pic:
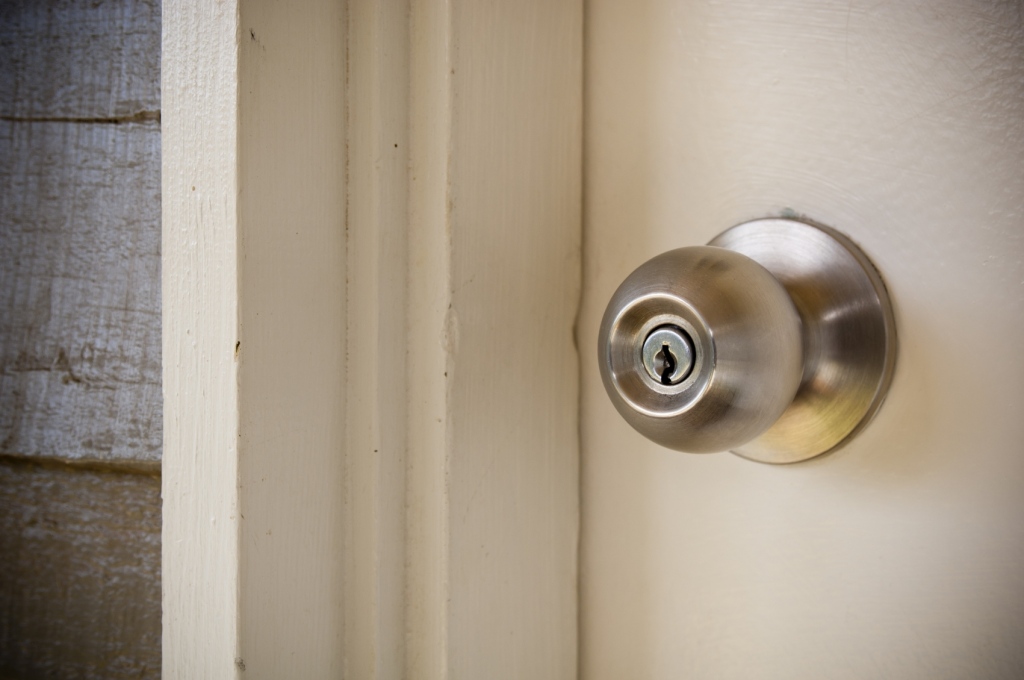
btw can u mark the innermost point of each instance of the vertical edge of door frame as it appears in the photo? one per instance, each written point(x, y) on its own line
point(375, 379)
point(429, 296)
point(464, 142)
point(199, 289)
point(494, 283)
point(253, 280)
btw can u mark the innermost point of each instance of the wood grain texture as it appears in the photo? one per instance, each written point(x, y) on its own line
point(80, 59)
point(902, 554)
point(199, 282)
point(79, 289)
point(79, 339)
point(79, 573)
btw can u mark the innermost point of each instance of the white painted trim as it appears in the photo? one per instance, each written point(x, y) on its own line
point(378, 80)
point(254, 321)
point(199, 282)
point(429, 290)
point(398, 429)
point(494, 283)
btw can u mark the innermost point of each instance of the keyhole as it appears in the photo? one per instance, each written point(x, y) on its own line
point(665, 364)
point(667, 355)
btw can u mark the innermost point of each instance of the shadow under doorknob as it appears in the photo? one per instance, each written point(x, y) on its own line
point(776, 341)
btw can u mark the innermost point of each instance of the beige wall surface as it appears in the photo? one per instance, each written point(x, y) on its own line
point(902, 554)
point(80, 401)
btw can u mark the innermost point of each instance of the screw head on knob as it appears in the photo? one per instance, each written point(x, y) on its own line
point(776, 341)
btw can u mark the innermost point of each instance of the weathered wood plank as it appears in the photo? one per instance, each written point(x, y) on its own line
point(79, 573)
point(79, 290)
point(79, 59)
point(79, 339)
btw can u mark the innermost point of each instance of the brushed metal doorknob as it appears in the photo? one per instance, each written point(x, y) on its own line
point(776, 341)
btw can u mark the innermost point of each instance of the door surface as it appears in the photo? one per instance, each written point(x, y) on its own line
point(900, 555)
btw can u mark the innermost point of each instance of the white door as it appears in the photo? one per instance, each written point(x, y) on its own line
point(902, 125)
point(404, 219)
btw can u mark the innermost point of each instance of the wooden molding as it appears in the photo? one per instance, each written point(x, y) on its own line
point(370, 373)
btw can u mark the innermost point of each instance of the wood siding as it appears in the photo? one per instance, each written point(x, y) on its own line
point(79, 573)
point(79, 285)
point(80, 394)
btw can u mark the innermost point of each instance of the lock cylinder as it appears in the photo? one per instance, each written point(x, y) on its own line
point(668, 355)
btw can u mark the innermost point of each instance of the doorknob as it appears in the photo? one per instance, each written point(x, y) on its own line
point(776, 341)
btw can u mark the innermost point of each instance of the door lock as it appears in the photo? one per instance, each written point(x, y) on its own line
point(776, 340)
point(668, 355)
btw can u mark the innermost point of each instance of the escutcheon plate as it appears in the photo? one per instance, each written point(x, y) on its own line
point(848, 334)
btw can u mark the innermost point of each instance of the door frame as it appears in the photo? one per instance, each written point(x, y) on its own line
point(371, 273)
